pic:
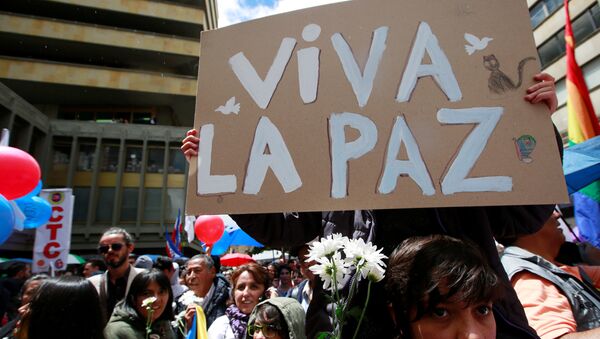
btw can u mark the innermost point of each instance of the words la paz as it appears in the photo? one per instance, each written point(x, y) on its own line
point(279, 159)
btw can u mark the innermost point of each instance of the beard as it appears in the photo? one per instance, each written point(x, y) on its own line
point(118, 262)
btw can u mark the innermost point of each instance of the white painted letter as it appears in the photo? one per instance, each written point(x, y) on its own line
point(414, 166)
point(456, 178)
point(341, 151)
point(207, 183)
point(262, 91)
point(439, 69)
point(278, 159)
point(362, 84)
point(308, 65)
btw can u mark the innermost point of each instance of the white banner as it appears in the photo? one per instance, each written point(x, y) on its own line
point(53, 240)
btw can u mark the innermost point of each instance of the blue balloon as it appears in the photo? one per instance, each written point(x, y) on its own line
point(37, 211)
point(35, 191)
point(7, 219)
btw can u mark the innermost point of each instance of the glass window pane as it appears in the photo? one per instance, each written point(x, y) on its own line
point(156, 160)
point(61, 156)
point(134, 159)
point(176, 161)
point(537, 14)
point(85, 161)
point(175, 202)
point(595, 10)
point(583, 27)
point(553, 5)
point(106, 198)
point(152, 204)
point(82, 200)
point(549, 51)
point(129, 204)
point(110, 158)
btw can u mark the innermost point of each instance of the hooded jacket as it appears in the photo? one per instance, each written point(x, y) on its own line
point(292, 312)
point(125, 323)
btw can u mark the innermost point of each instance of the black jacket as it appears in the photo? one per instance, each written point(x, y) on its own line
point(387, 228)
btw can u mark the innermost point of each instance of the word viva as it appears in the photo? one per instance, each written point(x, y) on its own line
point(278, 158)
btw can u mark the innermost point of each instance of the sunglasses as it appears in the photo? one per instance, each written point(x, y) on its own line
point(268, 331)
point(103, 249)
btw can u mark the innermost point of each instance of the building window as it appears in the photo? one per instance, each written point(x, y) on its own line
point(156, 160)
point(176, 161)
point(110, 115)
point(85, 161)
point(175, 199)
point(110, 158)
point(129, 204)
point(106, 198)
point(584, 26)
point(61, 154)
point(82, 201)
point(134, 159)
point(542, 10)
point(152, 204)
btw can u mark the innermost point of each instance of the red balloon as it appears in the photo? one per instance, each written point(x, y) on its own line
point(19, 172)
point(209, 228)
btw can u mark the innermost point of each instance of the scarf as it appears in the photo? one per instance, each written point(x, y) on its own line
point(238, 321)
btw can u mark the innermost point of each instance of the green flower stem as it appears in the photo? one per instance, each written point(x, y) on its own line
point(362, 314)
point(337, 330)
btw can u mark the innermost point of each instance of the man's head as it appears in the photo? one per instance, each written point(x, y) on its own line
point(92, 266)
point(115, 246)
point(200, 273)
point(546, 242)
point(19, 270)
point(165, 264)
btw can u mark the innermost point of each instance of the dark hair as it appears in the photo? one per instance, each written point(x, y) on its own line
point(118, 230)
point(426, 271)
point(15, 267)
point(67, 307)
point(138, 287)
point(283, 267)
point(268, 314)
point(97, 263)
point(259, 273)
point(164, 263)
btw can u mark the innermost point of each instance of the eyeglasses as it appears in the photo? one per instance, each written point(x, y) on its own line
point(268, 331)
point(103, 249)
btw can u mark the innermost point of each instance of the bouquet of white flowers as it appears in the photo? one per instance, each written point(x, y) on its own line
point(337, 259)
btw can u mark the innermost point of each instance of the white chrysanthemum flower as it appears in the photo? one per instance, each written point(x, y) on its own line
point(326, 247)
point(327, 268)
point(365, 257)
point(146, 303)
point(189, 298)
point(375, 273)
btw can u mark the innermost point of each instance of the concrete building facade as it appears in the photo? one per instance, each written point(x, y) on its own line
point(101, 93)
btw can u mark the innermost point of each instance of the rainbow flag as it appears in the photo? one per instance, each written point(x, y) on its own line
point(582, 125)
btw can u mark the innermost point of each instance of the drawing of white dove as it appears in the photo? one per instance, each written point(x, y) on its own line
point(476, 44)
point(230, 107)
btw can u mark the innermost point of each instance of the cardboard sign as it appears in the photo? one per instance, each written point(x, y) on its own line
point(373, 104)
point(53, 240)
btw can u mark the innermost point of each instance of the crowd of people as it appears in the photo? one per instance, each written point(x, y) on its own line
point(445, 278)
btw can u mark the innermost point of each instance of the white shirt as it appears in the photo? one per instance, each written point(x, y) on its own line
point(220, 329)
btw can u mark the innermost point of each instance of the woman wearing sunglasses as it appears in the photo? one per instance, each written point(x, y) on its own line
point(277, 318)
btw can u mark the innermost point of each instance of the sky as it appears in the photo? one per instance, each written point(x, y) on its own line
point(234, 11)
